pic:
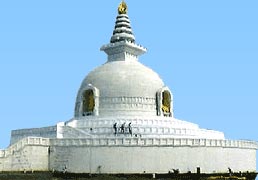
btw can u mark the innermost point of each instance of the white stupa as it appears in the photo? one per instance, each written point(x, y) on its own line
point(124, 123)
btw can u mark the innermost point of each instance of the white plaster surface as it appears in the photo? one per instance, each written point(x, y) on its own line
point(153, 159)
point(26, 155)
point(129, 155)
point(47, 132)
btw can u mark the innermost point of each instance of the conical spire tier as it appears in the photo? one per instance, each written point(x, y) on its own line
point(123, 30)
point(122, 46)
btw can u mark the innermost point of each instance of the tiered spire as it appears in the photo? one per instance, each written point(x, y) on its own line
point(122, 45)
point(123, 30)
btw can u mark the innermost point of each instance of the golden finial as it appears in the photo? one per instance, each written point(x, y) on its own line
point(122, 8)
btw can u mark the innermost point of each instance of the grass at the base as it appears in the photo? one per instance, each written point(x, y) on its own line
point(62, 176)
point(51, 176)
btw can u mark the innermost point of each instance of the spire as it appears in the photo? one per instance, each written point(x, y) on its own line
point(123, 30)
point(122, 45)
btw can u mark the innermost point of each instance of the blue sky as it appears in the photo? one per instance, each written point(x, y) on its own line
point(205, 51)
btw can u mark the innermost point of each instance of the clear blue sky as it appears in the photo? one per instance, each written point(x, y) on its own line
point(205, 51)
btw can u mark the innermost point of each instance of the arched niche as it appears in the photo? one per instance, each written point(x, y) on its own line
point(164, 102)
point(89, 101)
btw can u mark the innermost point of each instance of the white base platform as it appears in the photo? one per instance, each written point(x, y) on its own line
point(129, 155)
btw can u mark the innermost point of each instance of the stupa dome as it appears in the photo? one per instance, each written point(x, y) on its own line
point(124, 79)
point(125, 87)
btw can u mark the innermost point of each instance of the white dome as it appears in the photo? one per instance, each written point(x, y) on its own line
point(124, 79)
point(124, 88)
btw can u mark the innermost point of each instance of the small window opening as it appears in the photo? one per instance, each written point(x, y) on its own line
point(166, 102)
point(88, 103)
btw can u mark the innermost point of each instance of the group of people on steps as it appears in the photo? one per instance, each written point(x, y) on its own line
point(123, 128)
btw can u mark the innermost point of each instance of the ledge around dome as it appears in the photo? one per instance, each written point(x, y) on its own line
point(123, 51)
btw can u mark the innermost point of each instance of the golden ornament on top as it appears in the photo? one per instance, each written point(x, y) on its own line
point(122, 8)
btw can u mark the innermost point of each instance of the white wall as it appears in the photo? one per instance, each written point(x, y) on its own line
point(46, 132)
point(129, 155)
point(151, 159)
point(27, 154)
